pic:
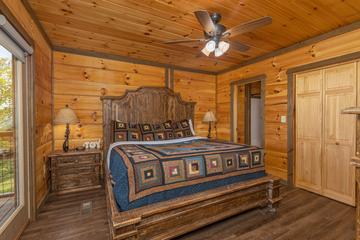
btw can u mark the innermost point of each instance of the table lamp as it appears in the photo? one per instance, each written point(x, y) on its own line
point(209, 117)
point(66, 116)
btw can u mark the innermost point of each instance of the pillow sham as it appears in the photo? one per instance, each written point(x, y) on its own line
point(152, 132)
point(126, 132)
point(182, 129)
point(163, 131)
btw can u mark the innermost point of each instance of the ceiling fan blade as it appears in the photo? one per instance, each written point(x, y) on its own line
point(185, 41)
point(248, 26)
point(239, 46)
point(204, 19)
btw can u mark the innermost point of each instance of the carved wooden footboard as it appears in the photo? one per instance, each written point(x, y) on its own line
point(169, 219)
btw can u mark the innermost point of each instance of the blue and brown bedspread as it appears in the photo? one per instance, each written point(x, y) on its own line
point(150, 173)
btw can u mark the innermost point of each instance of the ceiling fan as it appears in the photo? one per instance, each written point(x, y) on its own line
point(216, 35)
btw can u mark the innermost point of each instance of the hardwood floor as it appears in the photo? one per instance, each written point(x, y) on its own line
point(64, 217)
point(301, 215)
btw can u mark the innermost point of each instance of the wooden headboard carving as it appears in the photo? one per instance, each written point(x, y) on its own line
point(144, 105)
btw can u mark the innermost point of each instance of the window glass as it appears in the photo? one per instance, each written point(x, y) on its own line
point(8, 156)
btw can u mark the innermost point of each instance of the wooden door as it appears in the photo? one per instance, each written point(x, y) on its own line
point(338, 176)
point(308, 130)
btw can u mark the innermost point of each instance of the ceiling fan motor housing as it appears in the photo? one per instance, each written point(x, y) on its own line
point(219, 28)
point(215, 17)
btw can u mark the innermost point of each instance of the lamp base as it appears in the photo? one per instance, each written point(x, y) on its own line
point(209, 131)
point(66, 142)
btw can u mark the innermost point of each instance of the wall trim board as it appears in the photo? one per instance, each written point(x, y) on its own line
point(171, 78)
point(36, 21)
point(128, 59)
point(291, 101)
point(52, 101)
point(32, 122)
point(333, 33)
point(167, 84)
point(216, 103)
point(259, 78)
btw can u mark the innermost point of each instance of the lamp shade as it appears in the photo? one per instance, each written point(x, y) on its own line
point(66, 116)
point(209, 117)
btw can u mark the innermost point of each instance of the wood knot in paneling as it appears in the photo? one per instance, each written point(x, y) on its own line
point(103, 91)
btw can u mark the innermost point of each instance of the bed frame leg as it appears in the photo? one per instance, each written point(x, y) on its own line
point(273, 195)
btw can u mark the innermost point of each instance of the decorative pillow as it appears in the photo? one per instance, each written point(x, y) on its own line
point(146, 128)
point(126, 132)
point(163, 131)
point(147, 132)
point(182, 129)
point(167, 125)
point(192, 127)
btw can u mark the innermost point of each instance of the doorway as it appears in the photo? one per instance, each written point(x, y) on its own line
point(248, 111)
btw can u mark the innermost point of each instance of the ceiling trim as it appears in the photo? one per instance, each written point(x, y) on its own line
point(333, 33)
point(128, 59)
point(36, 21)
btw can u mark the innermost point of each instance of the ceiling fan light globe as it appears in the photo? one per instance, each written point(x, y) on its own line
point(210, 46)
point(218, 52)
point(205, 51)
point(224, 46)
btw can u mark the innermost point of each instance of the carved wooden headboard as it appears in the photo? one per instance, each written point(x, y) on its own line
point(144, 105)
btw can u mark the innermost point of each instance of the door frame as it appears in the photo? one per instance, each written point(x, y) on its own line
point(233, 102)
point(291, 72)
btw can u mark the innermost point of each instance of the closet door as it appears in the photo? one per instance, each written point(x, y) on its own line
point(308, 130)
point(338, 177)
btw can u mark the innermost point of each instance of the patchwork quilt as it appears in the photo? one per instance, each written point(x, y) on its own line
point(145, 173)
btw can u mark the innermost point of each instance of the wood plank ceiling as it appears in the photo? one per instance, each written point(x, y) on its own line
point(137, 28)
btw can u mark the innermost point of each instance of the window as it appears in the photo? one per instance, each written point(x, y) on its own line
point(8, 144)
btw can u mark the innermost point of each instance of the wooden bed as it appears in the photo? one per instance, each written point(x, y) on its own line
point(172, 218)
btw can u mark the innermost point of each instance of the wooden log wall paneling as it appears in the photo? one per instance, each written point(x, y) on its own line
point(80, 80)
point(276, 93)
point(200, 88)
point(43, 99)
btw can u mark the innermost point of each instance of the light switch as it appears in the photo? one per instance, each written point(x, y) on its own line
point(283, 119)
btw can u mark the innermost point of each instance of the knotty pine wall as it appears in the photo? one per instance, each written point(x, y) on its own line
point(43, 99)
point(199, 88)
point(80, 80)
point(276, 93)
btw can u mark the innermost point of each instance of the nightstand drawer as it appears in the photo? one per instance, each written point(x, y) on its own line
point(77, 169)
point(70, 181)
point(74, 171)
point(69, 161)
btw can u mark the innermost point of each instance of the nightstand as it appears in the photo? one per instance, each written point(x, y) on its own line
point(75, 170)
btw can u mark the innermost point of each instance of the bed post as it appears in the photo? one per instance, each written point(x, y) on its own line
point(106, 105)
point(273, 195)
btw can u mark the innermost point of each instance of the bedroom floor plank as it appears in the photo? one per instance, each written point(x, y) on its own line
point(62, 217)
point(302, 215)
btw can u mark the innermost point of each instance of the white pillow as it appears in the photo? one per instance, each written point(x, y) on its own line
point(192, 127)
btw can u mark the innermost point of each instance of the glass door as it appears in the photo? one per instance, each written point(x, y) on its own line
point(8, 145)
point(14, 203)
